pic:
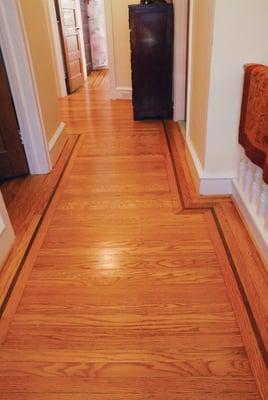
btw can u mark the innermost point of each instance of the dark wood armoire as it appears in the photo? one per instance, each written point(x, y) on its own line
point(151, 38)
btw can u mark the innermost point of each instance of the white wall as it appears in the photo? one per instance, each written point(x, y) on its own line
point(6, 232)
point(240, 36)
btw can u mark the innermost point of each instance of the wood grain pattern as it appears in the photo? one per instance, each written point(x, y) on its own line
point(124, 294)
point(248, 269)
point(26, 200)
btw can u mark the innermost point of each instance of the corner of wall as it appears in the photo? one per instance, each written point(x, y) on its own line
point(56, 143)
point(207, 183)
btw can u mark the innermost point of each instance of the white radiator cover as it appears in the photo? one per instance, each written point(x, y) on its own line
point(250, 194)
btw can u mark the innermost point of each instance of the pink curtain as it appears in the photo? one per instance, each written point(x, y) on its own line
point(97, 30)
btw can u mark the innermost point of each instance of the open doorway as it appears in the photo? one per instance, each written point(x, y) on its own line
point(13, 160)
point(82, 35)
point(86, 35)
point(97, 28)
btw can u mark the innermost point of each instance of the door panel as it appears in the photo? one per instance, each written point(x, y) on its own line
point(75, 67)
point(72, 43)
point(12, 156)
point(85, 20)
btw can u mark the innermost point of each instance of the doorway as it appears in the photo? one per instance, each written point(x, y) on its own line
point(13, 161)
point(97, 31)
point(82, 34)
point(86, 34)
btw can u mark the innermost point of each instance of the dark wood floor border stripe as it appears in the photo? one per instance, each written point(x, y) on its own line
point(22, 262)
point(253, 322)
point(174, 167)
point(243, 294)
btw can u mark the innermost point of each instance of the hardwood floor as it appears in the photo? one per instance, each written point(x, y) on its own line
point(26, 200)
point(126, 294)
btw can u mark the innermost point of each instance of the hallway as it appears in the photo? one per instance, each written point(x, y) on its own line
point(127, 296)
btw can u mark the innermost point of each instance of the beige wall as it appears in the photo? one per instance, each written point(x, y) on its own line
point(37, 32)
point(200, 59)
point(6, 232)
point(180, 57)
point(121, 42)
point(118, 38)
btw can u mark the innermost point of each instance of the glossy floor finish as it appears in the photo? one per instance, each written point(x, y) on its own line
point(27, 199)
point(126, 298)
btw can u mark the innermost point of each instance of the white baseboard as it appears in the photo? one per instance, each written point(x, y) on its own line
point(56, 136)
point(123, 93)
point(57, 143)
point(182, 126)
point(255, 225)
point(208, 183)
point(215, 186)
point(7, 235)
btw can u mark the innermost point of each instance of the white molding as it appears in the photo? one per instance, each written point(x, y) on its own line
point(255, 225)
point(81, 36)
point(209, 183)
point(189, 71)
point(2, 224)
point(7, 235)
point(56, 48)
point(110, 48)
point(121, 93)
point(182, 126)
point(56, 136)
point(124, 93)
point(180, 58)
point(23, 87)
point(215, 186)
point(195, 158)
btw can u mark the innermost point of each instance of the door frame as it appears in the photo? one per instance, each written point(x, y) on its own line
point(23, 86)
point(181, 23)
point(56, 46)
point(110, 49)
point(82, 41)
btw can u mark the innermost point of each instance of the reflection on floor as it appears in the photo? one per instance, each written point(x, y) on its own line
point(126, 298)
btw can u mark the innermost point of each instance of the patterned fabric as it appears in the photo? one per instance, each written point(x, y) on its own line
point(253, 131)
point(97, 34)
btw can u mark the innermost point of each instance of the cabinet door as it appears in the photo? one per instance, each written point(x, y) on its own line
point(152, 58)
